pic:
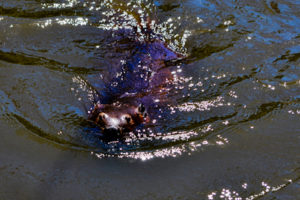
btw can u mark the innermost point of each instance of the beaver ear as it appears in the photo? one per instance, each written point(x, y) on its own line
point(98, 105)
point(94, 112)
point(141, 108)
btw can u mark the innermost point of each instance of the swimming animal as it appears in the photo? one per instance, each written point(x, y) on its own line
point(131, 97)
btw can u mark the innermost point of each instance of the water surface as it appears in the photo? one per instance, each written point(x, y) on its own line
point(230, 131)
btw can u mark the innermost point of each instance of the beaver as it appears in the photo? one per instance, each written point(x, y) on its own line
point(130, 98)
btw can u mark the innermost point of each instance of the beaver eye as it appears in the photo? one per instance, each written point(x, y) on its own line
point(127, 118)
point(141, 108)
point(102, 116)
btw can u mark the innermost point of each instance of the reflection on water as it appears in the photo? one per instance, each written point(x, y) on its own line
point(78, 21)
point(231, 194)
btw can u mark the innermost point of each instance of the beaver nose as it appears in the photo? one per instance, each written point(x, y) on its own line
point(112, 130)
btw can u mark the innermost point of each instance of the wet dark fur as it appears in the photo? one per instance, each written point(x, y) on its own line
point(130, 98)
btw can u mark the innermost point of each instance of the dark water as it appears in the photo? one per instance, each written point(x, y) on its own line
point(231, 131)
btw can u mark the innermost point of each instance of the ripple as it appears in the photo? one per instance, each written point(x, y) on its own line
point(75, 21)
point(37, 14)
point(267, 189)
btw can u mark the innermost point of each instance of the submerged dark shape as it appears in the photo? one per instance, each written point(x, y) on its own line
point(131, 96)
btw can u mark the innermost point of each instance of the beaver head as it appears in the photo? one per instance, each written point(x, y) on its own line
point(118, 118)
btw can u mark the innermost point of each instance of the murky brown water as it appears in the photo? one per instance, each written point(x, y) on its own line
point(231, 131)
